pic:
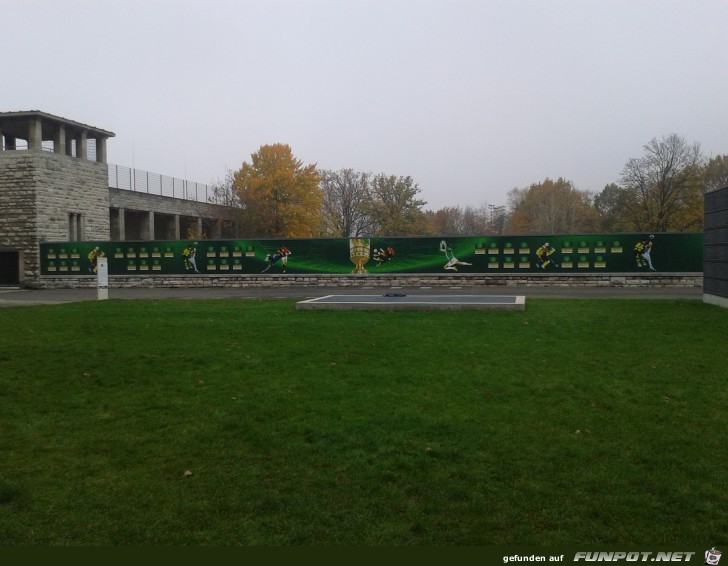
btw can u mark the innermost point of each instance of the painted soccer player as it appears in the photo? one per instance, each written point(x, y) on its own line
point(642, 252)
point(647, 250)
point(544, 256)
point(452, 261)
point(93, 257)
point(189, 254)
point(281, 254)
point(380, 255)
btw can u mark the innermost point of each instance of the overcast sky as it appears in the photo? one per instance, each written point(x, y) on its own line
point(470, 98)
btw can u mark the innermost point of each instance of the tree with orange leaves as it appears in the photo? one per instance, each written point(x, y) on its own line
point(278, 194)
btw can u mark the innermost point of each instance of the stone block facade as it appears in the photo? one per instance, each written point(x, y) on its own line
point(39, 191)
point(52, 187)
point(18, 221)
point(506, 282)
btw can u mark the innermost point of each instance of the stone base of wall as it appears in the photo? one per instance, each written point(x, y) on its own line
point(358, 281)
point(715, 300)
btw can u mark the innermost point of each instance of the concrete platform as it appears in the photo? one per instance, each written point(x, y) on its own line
point(401, 301)
point(16, 297)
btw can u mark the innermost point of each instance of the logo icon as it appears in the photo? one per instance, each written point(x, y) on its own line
point(712, 557)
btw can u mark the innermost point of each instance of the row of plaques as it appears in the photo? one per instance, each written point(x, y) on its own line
point(133, 253)
point(566, 248)
point(236, 264)
point(236, 251)
point(567, 262)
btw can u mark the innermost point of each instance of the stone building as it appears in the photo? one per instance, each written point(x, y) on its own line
point(51, 187)
point(55, 186)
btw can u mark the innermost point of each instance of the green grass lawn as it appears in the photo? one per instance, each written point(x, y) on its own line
point(574, 421)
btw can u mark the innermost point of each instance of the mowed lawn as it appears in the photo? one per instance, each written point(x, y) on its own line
point(247, 422)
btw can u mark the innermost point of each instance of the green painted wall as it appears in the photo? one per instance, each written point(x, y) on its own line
point(588, 253)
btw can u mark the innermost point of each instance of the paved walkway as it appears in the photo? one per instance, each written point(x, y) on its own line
point(18, 297)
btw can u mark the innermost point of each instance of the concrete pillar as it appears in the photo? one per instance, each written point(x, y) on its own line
point(35, 135)
point(176, 227)
point(72, 227)
point(199, 226)
point(82, 153)
point(101, 150)
point(59, 140)
point(10, 143)
point(122, 225)
point(69, 145)
point(151, 226)
point(2, 138)
point(113, 223)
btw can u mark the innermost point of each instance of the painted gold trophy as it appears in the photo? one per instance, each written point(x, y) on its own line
point(359, 253)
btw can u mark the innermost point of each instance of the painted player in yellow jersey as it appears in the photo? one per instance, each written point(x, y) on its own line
point(93, 257)
point(642, 250)
point(189, 254)
point(544, 256)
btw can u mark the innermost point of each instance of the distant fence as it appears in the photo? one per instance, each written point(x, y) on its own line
point(121, 177)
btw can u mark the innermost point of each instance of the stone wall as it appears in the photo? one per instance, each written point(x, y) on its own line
point(381, 281)
point(71, 185)
point(18, 220)
point(38, 192)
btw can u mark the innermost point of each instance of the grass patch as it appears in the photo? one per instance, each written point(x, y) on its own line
point(575, 421)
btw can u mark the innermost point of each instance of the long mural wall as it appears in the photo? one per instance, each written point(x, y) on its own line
point(588, 253)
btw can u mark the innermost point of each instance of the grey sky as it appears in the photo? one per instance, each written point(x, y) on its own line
point(469, 98)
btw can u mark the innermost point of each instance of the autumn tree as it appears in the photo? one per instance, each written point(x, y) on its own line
point(446, 221)
point(715, 174)
point(278, 194)
point(666, 186)
point(468, 221)
point(394, 207)
point(230, 211)
point(345, 208)
point(497, 218)
point(550, 207)
point(481, 220)
point(613, 204)
point(223, 192)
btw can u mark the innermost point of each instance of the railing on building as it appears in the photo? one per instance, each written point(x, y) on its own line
point(121, 177)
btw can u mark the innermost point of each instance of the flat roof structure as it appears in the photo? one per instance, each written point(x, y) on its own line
point(68, 136)
point(13, 123)
point(398, 301)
